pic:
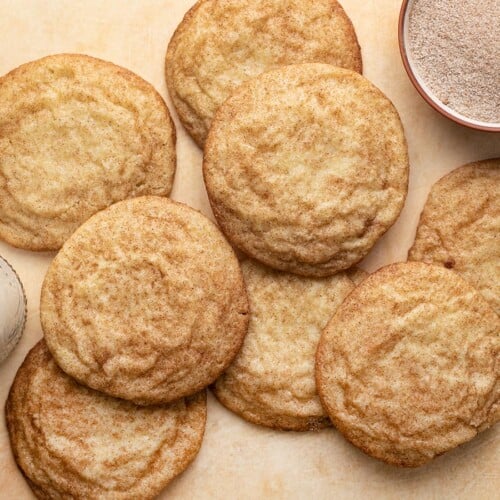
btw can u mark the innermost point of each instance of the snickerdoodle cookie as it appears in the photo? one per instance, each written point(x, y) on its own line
point(72, 442)
point(77, 134)
point(221, 44)
point(306, 167)
point(145, 301)
point(460, 226)
point(271, 381)
point(408, 367)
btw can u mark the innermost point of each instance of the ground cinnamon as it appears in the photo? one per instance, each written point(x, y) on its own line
point(455, 49)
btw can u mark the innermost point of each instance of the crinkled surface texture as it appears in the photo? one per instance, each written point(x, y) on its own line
point(146, 302)
point(271, 381)
point(222, 43)
point(409, 365)
point(73, 442)
point(76, 135)
point(460, 226)
point(306, 167)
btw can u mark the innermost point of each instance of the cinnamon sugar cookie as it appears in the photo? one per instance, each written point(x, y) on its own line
point(72, 442)
point(408, 367)
point(306, 167)
point(460, 226)
point(145, 302)
point(271, 381)
point(77, 134)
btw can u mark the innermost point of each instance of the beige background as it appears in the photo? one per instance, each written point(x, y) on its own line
point(239, 460)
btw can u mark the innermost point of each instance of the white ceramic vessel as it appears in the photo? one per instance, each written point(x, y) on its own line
point(12, 309)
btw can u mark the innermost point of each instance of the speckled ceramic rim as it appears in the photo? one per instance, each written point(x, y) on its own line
point(25, 306)
point(432, 101)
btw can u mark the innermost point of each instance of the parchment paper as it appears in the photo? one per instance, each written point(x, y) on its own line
point(239, 460)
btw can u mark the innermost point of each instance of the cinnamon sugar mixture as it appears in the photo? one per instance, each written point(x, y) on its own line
point(455, 48)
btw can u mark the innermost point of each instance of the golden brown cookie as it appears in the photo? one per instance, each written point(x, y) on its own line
point(460, 226)
point(271, 381)
point(145, 302)
point(306, 167)
point(72, 442)
point(77, 134)
point(221, 44)
point(409, 366)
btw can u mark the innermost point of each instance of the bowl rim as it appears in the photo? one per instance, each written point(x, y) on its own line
point(433, 102)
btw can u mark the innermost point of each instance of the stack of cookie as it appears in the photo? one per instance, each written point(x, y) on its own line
point(146, 304)
point(142, 308)
point(306, 166)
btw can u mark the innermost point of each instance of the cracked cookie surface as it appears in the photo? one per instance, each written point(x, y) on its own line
point(221, 44)
point(76, 135)
point(73, 442)
point(145, 302)
point(306, 167)
point(460, 224)
point(271, 380)
point(409, 366)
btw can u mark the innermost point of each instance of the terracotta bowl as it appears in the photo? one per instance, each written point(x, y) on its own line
point(420, 85)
